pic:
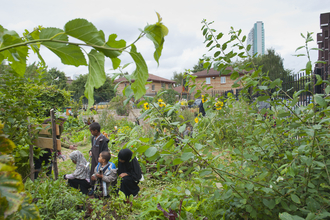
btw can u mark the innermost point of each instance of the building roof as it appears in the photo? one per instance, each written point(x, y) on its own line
point(152, 78)
point(212, 72)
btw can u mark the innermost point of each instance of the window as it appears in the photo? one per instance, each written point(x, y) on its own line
point(163, 85)
point(125, 84)
point(153, 87)
point(208, 80)
point(223, 79)
point(170, 86)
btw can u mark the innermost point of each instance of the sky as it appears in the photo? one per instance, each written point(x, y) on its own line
point(283, 20)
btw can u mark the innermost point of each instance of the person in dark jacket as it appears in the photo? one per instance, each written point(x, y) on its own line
point(201, 108)
point(99, 144)
point(129, 171)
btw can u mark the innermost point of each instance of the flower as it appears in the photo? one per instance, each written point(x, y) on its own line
point(218, 105)
point(204, 99)
point(196, 120)
point(146, 106)
point(160, 100)
point(161, 103)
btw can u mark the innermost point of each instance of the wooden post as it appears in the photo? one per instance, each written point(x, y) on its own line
point(31, 155)
point(52, 116)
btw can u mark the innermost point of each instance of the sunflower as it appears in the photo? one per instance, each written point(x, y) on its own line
point(160, 100)
point(204, 99)
point(146, 106)
point(219, 105)
point(161, 103)
point(196, 120)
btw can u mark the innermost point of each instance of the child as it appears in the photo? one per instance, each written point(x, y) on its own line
point(80, 177)
point(99, 144)
point(105, 174)
point(130, 172)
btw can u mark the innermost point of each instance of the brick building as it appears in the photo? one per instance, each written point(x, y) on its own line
point(213, 78)
point(157, 83)
point(323, 43)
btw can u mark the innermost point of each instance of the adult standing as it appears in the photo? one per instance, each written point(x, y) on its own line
point(129, 171)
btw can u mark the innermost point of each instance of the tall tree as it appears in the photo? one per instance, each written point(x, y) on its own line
point(102, 94)
point(178, 78)
point(56, 77)
point(198, 67)
point(273, 64)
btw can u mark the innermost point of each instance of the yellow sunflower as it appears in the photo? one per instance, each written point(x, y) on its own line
point(146, 106)
point(204, 99)
point(219, 105)
point(196, 120)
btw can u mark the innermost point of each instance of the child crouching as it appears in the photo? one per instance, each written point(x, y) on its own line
point(105, 174)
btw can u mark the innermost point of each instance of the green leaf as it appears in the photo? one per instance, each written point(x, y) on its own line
point(150, 152)
point(96, 76)
point(168, 144)
point(234, 75)
point(69, 54)
point(116, 44)
point(143, 148)
point(28, 210)
point(186, 156)
point(295, 198)
point(327, 90)
point(182, 128)
point(10, 187)
point(156, 33)
point(287, 216)
point(269, 203)
point(177, 161)
point(219, 36)
point(308, 67)
point(140, 74)
point(87, 32)
point(320, 100)
point(276, 82)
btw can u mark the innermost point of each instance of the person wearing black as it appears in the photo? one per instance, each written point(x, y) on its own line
point(99, 144)
point(129, 171)
point(201, 108)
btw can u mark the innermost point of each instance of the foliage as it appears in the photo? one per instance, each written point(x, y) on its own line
point(14, 49)
point(198, 67)
point(56, 77)
point(168, 95)
point(12, 197)
point(118, 103)
point(104, 93)
point(178, 78)
point(55, 200)
point(272, 63)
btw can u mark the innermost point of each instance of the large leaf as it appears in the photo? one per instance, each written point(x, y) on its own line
point(140, 74)
point(28, 210)
point(87, 32)
point(16, 56)
point(96, 76)
point(10, 187)
point(156, 33)
point(68, 53)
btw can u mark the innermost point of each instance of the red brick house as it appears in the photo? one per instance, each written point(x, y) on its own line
point(213, 78)
point(157, 83)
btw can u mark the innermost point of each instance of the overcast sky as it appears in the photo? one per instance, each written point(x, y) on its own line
point(283, 20)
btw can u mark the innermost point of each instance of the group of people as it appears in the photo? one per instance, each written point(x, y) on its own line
point(102, 175)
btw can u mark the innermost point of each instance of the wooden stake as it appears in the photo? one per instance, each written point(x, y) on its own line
point(52, 116)
point(31, 155)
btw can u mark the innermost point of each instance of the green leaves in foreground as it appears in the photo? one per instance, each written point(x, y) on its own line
point(14, 49)
point(96, 76)
point(156, 33)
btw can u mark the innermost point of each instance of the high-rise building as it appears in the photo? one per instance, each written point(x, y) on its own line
point(256, 38)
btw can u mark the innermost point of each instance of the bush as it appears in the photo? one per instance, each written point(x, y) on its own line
point(55, 199)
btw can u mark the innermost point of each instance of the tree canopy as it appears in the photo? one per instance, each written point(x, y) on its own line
point(102, 94)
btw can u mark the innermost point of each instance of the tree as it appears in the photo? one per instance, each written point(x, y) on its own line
point(56, 77)
point(273, 64)
point(104, 93)
point(198, 67)
point(178, 78)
